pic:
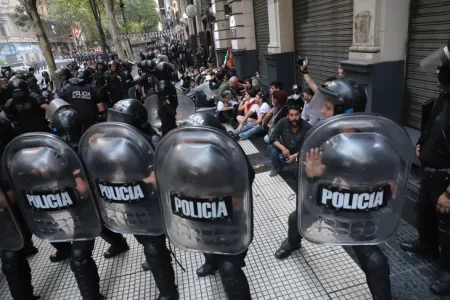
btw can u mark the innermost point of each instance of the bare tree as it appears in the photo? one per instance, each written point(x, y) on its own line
point(35, 18)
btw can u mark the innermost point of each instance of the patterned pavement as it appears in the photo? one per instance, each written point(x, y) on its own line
point(314, 272)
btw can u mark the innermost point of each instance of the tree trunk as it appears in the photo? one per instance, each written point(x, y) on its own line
point(98, 22)
point(114, 27)
point(31, 9)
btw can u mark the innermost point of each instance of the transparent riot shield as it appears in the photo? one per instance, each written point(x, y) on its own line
point(352, 191)
point(54, 106)
point(132, 92)
point(119, 160)
point(52, 189)
point(186, 108)
point(11, 237)
point(205, 191)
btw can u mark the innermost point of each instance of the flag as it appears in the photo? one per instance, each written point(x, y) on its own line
point(227, 56)
point(230, 59)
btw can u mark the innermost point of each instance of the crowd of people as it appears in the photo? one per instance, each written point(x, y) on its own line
point(102, 91)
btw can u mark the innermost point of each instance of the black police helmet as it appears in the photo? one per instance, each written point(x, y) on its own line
point(444, 76)
point(204, 119)
point(85, 75)
point(142, 55)
point(20, 88)
point(163, 71)
point(67, 123)
point(346, 96)
point(130, 111)
point(112, 63)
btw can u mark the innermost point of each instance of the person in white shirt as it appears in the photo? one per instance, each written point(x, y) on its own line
point(260, 108)
point(226, 108)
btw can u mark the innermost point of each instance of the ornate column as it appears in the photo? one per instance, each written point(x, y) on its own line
point(378, 53)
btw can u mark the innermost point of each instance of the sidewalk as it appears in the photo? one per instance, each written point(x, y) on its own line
point(314, 272)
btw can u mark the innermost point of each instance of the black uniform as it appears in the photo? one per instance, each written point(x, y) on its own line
point(25, 110)
point(114, 83)
point(15, 265)
point(85, 99)
point(347, 95)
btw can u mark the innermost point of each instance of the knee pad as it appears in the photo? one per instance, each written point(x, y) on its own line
point(157, 251)
point(10, 259)
point(79, 255)
point(373, 260)
point(228, 269)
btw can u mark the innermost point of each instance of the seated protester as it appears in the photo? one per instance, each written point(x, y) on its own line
point(296, 96)
point(276, 86)
point(226, 109)
point(185, 81)
point(256, 84)
point(246, 102)
point(228, 85)
point(247, 85)
point(203, 94)
point(261, 108)
point(286, 140)
point(192, 86)
point(276, 113)
point(200, 79)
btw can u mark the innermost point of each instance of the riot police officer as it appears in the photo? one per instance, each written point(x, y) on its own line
point(55, 198)
point(101, 83)
point(25, 109)
point(67, 123)
point(167, 95)
point(125, 160)
point(433, 150)
point(208, 196)
point(126, 77)
point(114, 82)
point(81, 95)
point(15, 266)
point(344, 96)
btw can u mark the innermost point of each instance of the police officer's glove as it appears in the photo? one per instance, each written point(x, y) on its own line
point(39, 98)
point(102, 116)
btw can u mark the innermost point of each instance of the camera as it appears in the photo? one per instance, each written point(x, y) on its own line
point(300, 60)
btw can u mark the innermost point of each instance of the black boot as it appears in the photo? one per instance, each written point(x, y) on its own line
point(85, 270)
point(62, 251)
point(441, 286)
point(159, 262)
point(286, 249)
point(59, 256)
point(375, 265)
point(29, 250)
point(234, 281)
point(18, 275)
point(206, 269)
point(419, 249)
point(116, 249)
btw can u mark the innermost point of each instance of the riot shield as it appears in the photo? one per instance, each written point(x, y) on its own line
point(132, 92)
point(54, 107)
point(52, 188)
point(11, 237)
point(352, 191)
point(205, 191)
point(186, 108)
point(119, 160)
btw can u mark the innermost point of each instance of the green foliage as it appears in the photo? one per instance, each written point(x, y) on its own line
point(141, 15)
